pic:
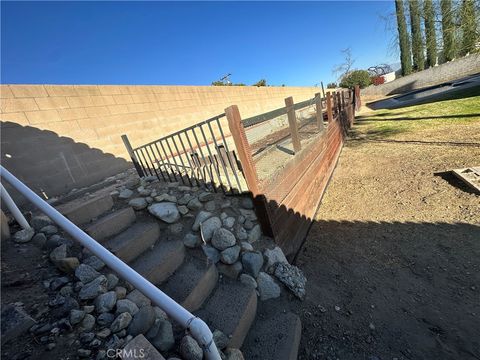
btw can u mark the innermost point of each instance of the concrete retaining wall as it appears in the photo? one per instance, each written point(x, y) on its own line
point(452, 70)
point(59, 137)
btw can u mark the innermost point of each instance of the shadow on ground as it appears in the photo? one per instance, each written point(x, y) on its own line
point(384, 290)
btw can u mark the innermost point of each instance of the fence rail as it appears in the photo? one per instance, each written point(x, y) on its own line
point(201, 154)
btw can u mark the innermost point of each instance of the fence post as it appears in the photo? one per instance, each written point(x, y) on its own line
point(292, 123)
point(319, 112)
point(249, 171)
point(132, 156)
point(358, 101)
point(329, 107)
point(243, 148)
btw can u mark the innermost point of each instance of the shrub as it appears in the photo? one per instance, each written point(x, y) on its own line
point(332, 85)
point(356, 77)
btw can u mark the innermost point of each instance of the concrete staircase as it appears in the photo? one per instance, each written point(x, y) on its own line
point(191, 280)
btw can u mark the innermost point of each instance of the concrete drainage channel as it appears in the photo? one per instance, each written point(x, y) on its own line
point(157, 228)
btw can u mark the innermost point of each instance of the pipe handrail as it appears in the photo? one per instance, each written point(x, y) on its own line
point(197, 327)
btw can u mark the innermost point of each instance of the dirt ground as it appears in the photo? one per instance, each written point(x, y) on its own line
point(393, 258)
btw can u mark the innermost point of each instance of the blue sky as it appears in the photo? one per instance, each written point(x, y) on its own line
point(188, 43)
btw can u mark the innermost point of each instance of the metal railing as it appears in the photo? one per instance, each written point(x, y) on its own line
point(201, 154)
point(197, 327)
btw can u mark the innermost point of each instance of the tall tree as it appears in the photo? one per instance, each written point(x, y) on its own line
point(430, 35)
point(448, 30)
point(403, 38)
point(417, 41)
point(468, 25)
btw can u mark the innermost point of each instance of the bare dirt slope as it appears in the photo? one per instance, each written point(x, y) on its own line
point(393, 258)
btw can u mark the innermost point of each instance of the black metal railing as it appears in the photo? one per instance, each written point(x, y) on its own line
point(199, 155)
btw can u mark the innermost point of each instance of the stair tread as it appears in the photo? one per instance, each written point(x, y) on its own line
point(274, 338)
point(132, 242)
point(231, 309)
point(159, 263)
point(83, 210)
point(192, 283)
point(111, 224)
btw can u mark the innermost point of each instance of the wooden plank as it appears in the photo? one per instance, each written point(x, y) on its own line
point(292, 123)
point(329, 108)
point(470, 176)
point(319, 111)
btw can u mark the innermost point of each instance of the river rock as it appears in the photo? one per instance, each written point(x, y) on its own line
point(255, 234)
point(194, 204)
point(209, 226)
point(267, 287)
point(142, 321)
point(41, 221)
point(223, 239)
point(200, 218)
point(248, 280)
point(138, 203)
point(121, 322)
point(138, 298)
point(191, 240)
point(252, 263)
point(274, 256)
point(230, 255)
point(189, 349)
point(105, 302)
point(76, 316)
point(165, 211)
point(206, 196)
point(94, 288)
point(163, 340)
point(211, 253)
point(23, 236)
point(126, 305)
point(85, 273)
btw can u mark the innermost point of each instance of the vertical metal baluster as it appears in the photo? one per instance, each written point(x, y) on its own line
point(233, 166)
point(204, 161)
point(137, 154)
point(195, 154)
point(181, 160)
point(153, 163)
point(186, 154)
point(211, 155)
point(174, 160)
point(219, 156)
point(146, 162)
point(159, 161)
point(166, 159)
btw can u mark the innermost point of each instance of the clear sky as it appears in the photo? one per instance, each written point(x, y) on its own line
point(188, 43)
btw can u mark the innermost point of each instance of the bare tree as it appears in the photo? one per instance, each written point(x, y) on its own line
point(346, 66)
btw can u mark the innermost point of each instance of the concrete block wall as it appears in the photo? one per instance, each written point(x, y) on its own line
point(450, 71)
point(59, 137)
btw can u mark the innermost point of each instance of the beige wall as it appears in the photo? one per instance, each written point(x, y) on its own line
point(57, 137)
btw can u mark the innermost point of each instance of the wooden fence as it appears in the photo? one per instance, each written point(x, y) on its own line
point(284, 158)
point(287, 199)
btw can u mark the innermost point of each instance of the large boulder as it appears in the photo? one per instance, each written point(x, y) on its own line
point(223, 239)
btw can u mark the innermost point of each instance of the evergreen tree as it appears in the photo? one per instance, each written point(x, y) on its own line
point(417, 41)
point(448, 30)
point(468, 25)
point(403, 39)
point(430, 35)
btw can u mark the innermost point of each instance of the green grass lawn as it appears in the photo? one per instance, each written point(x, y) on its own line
point(441, 115)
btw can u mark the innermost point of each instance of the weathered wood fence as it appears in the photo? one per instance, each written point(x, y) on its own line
point(283, 158)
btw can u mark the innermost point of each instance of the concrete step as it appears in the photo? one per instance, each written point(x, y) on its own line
point(158, 264)
point(192, 283)
point(135, 240)
point(81, 211)
point(274, 338)
point(111, 224)
point(231, 309)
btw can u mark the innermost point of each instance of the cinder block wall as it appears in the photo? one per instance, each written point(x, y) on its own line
point(59, 137)
point(450, 71)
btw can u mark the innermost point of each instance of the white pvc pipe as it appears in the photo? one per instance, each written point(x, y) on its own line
point(195, 325)
point(17, 214)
